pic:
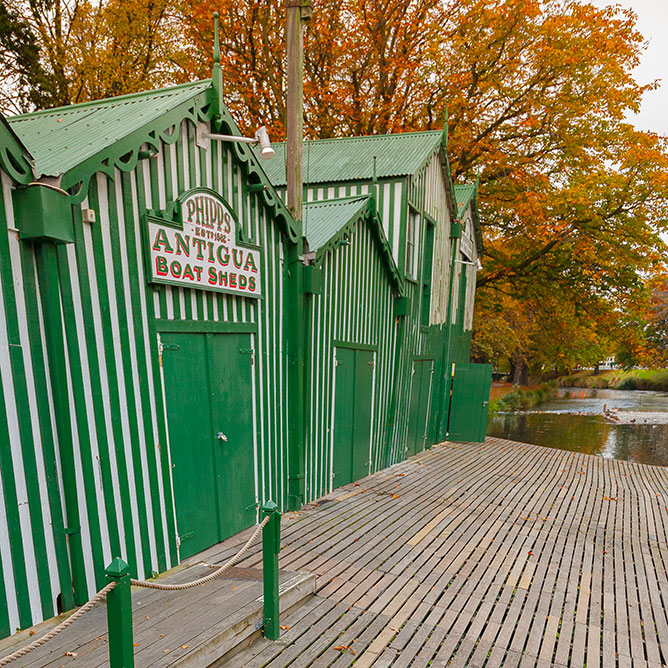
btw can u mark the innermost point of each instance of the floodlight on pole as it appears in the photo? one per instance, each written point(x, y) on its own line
point(261, 138)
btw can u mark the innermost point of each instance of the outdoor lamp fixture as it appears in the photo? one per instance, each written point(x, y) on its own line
point(477, 265)
point(261, 138)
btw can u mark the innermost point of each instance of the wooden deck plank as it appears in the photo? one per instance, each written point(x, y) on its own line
point(501, 555)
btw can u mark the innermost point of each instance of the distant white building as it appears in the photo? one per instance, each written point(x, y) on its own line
point(607, 363)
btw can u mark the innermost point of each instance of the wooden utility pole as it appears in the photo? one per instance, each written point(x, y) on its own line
point(298, 11)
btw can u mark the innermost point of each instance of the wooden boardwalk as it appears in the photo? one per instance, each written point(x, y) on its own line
point(502, 554)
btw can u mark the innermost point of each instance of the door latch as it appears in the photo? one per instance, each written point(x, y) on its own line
point(221, 437)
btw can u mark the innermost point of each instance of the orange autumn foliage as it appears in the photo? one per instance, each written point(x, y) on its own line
point(573, 198)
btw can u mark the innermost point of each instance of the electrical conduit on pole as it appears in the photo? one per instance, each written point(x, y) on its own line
point(49, 278)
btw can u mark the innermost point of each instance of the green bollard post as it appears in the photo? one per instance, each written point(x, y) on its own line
point(119, 616)
point(271, 546)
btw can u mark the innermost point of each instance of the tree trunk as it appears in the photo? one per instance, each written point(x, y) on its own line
point(519, 371)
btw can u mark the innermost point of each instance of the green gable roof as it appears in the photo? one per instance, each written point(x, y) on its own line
point(351, 158)
point(327, 222)
point(60, 139)
point(324, 219)
point(466, 194)
point(463, 196)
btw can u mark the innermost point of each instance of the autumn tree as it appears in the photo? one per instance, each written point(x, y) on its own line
point(58, 52)
point(573, 198)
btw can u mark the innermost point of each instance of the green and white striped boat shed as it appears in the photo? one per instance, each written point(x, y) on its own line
point(176, 349)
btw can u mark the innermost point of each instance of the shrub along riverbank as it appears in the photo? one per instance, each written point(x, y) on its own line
point(635, 379)
point(522, 399)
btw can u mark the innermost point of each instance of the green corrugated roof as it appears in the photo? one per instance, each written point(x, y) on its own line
point(324, 219)
point(60, 139)
point(463, 195)
point(326, 223)
point(351, 158)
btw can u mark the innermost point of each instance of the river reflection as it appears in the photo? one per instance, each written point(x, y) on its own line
point(572, 424)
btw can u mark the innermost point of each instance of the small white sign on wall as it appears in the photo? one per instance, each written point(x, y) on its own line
point(200, 250)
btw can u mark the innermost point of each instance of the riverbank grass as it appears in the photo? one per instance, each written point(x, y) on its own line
point(635, 379)
point(520, 398)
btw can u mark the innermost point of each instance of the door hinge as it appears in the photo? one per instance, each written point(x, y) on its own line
point(169, 346)
point(253, 506)
point(372, 364)
point(248, 351)
point(180, 539)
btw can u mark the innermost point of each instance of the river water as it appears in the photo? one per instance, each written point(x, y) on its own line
point(574, 421)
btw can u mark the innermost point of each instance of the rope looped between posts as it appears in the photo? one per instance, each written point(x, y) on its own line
point(196, 583)
point(102, 594)
point(87, 607)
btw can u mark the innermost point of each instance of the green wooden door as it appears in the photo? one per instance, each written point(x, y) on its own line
point(364, 375)
point(209, 413)
point(353, 402)
point(420, 403)
point(230, 369)
point(469, 402)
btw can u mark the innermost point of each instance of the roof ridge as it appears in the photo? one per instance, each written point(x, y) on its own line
point(389, 135)
point(93, 103)
point(338, 200)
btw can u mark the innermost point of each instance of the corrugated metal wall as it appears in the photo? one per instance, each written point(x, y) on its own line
point(426, 192)
point(356, 307)
point(27, 465)
point(112, 320)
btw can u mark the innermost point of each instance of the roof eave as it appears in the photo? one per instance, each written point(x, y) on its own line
point(15, 159)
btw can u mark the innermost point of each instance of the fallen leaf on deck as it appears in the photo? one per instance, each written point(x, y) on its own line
point(526, 519)
point(32, 632)
point(395, 496)
point(184, 646)
point(162, 635)
point(135, 644)
point(344, 648)
point(610, 498)
point(72, 654)
point(285, 628)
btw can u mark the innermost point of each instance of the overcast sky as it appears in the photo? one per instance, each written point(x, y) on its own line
point(653, 24)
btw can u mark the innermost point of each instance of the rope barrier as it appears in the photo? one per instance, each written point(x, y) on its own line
point(100, 596)
point(196, 583)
